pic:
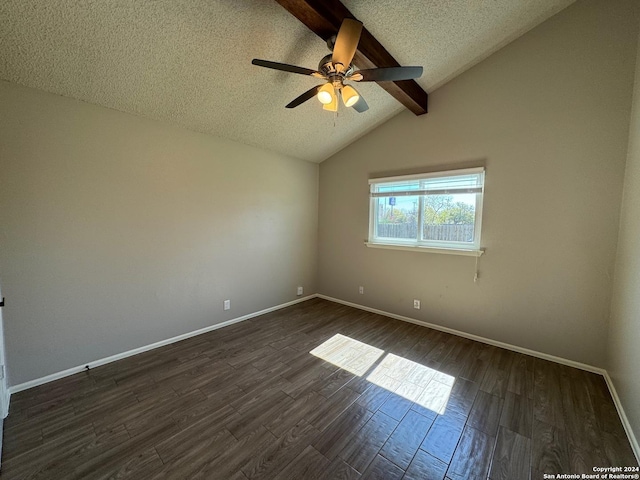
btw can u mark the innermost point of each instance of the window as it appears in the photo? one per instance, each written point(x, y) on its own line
point(440, 210)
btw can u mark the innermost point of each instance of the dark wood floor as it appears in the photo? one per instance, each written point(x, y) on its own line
point(250, 402)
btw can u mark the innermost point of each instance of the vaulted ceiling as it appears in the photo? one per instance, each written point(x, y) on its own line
point(188, 62)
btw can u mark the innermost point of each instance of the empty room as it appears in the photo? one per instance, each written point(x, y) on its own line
point(304, 239)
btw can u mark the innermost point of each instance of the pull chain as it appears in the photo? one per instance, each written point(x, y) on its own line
point(476, 275)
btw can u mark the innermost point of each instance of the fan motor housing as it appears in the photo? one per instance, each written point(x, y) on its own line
point(326, 65)
point(328, 69)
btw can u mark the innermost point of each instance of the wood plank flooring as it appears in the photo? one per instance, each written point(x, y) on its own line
point(390, 400)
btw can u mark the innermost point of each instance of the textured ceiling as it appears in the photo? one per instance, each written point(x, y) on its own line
point(188, 62)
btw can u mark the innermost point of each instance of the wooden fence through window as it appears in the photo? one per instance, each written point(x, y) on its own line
point(446, 233)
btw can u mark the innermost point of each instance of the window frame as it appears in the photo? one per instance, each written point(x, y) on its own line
point(465, 248)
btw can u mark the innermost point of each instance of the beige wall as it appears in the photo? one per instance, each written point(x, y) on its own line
point(117, 231)
point(548, 116)
point(624, 336)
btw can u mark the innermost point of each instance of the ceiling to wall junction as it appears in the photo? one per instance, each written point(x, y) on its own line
point(189, 62)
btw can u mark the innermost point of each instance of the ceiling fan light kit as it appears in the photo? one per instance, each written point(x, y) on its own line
point(336, 69)
point(349, 96)
point(333, 105)
point(326, 94)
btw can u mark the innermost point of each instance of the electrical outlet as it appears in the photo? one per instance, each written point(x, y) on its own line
point(361, 290)
point(416, 304)
point(226, 305)
point(300, 290)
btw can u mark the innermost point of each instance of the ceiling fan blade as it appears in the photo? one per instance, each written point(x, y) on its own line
point(361, 105)
point(309, 94)
point(388, 74)
point(286, 67)
point(346, 43)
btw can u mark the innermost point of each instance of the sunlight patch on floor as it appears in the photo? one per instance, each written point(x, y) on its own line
point(349, 354)
point(425, 386)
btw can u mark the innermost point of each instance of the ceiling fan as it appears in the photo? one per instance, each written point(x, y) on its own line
point(336, 69)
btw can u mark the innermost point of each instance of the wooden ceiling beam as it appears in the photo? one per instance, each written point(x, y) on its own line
point(324, 17)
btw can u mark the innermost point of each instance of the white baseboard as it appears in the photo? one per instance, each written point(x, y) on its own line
point(96, 363)
point(508, 346)
point(5, 404)
point(545, 356)
point(623, 416)
point(563, 361)
point(1, 438)
point(184, 336)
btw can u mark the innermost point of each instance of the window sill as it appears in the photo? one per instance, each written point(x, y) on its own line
point(423, 249)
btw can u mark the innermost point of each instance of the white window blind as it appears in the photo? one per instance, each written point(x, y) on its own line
point(441, 183)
